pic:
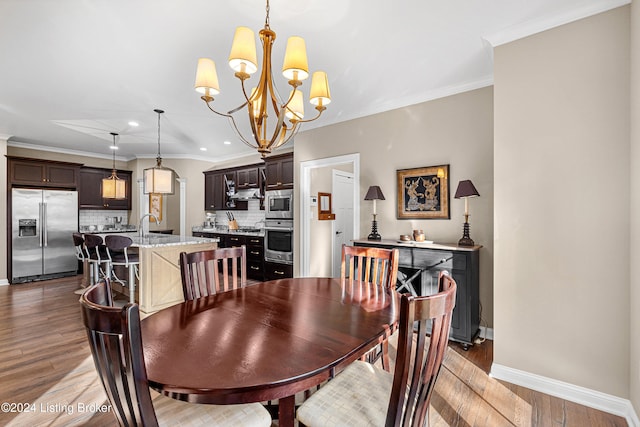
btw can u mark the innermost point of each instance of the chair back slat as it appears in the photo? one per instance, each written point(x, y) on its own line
point(419, 358)
point(211, 271)
point(116, 347)
point(375, 265)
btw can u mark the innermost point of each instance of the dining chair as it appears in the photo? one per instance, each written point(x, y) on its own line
point(116, 345)
point(212, 271)
point(364, 394)
point(118, 254)
point(97, 254)
point(378, 266)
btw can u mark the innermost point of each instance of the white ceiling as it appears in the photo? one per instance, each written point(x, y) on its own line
point(72, 71)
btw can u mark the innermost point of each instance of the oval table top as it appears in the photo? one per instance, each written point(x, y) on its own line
point(263, 342)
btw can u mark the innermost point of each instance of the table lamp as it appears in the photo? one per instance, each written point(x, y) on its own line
point(464, 191)
point(374, 193)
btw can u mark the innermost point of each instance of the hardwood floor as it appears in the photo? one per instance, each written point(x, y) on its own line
point(47, 370)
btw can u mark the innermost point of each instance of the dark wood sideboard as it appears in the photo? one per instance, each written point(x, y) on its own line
point(418, 269)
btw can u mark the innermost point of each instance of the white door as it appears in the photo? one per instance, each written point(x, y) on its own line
point(343, 227)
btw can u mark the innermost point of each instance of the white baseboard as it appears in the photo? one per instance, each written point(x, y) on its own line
point(4, 282)
point(584, 396)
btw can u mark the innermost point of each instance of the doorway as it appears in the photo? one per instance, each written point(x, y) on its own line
point(306, 213)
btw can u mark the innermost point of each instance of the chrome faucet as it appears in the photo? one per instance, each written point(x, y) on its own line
point(140, 229)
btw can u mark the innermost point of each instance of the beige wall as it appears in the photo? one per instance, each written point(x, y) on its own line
point(561, 285)
point(635, 210)
point(457, 130)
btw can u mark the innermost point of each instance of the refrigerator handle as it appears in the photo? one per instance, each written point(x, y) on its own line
point(40, 220)
point(44, 224)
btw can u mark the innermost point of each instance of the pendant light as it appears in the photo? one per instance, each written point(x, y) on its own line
point(114, 187)
point(159, 179)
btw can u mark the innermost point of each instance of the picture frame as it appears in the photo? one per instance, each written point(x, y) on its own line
point(324, 207)
point(423, 193)
point(155, 206)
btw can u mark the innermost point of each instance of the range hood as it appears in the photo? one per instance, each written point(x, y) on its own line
point(251, 193)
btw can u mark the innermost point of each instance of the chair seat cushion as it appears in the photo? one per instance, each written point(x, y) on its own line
point(358, 396)
point(171, 412)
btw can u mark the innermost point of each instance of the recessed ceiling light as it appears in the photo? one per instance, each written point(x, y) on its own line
point(113, 147)
point(134, 124)
point(203, 148)
point(227, 143)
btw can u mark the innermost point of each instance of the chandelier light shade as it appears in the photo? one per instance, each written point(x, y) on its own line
point(114, 187)
point(159, 179)
point(273, 122)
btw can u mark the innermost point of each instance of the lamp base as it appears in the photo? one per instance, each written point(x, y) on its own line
point(466, 240)
point(374, 231)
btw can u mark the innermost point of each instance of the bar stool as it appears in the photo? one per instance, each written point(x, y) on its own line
point(78, 242)
point(97, 257)
point(118, 255)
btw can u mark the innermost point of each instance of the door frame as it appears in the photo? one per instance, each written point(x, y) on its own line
point(305, 201)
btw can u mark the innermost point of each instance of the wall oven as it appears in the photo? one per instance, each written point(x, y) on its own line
point(278, 240)
point(278, 204)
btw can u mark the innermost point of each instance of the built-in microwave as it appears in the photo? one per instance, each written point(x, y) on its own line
point(278, 204)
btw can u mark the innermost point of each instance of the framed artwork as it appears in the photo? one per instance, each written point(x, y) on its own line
point(155, 206)
point(423, 193)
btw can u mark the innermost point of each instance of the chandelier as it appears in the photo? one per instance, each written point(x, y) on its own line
point(263, 100)
point(113, 187)
point(159, 179)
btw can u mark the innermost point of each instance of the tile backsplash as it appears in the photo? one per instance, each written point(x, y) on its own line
point(88, 217)
point(247, 218)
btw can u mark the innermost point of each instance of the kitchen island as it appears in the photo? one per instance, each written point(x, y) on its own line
point(160, 284)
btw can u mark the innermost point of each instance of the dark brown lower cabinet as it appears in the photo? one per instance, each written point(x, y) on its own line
point(255, 250)
point(274, 270)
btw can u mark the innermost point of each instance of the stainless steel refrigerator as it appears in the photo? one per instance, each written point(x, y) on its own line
point(42, 223)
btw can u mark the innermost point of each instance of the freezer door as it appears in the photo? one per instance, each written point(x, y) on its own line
point(26, 236)
point(60, 210)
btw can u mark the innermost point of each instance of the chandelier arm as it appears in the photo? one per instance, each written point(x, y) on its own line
point(237, 131)
point(279, 128)
point(255, 127)
point(310, 120)
point(292, 132)
point(217, 112)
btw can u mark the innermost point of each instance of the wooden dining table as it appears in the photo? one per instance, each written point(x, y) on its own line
point(266, 341)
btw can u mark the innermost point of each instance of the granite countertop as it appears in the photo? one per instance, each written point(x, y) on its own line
point(259, 232)
point(123, 229)
point(153, 240)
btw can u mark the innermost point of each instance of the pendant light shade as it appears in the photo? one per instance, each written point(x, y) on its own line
point(114, 187)
point(159, 179)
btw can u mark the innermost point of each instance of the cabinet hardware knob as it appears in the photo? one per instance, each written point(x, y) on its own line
point(279, 272)
point(254, 253)
point(253, 267)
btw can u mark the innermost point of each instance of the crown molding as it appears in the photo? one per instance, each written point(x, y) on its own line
point(529, 28)
point(37, 147)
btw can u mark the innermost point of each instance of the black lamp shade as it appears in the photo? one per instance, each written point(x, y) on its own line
point(374, 193)
point(465, 189)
